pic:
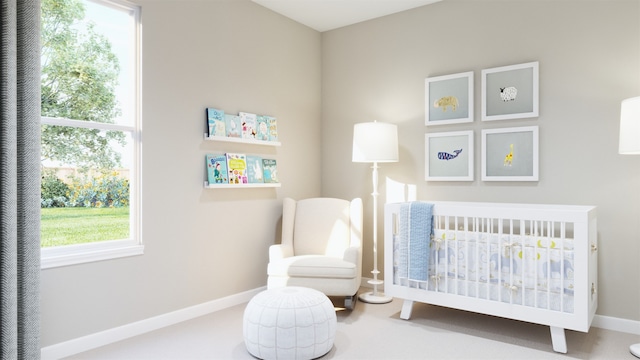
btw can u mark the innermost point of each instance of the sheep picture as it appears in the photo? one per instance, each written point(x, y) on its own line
point(508, 93)
point(445, 101)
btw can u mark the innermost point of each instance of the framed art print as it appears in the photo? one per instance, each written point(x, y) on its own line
point(510, 92)
point(510, 154)
point(449, 156)
point(449, 99)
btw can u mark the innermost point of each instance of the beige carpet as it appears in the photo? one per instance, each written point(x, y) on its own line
point(377, 332)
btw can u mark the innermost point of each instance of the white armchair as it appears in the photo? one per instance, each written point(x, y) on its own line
point(321, 247)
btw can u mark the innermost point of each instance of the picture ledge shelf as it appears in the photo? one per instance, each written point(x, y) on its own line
point(242, 141)
point(240, 186)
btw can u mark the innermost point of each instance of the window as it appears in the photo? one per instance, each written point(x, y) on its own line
point(90, 149)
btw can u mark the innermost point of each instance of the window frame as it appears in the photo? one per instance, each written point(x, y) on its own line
point(51, 257)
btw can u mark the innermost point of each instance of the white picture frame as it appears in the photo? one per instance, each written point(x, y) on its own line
point(510, 154)
point(510, 92)
point(449, 156)
point(449, 99)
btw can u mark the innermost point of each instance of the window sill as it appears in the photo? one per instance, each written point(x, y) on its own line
point(78, 254)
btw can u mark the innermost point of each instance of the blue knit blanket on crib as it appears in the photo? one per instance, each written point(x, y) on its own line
point(416, 220)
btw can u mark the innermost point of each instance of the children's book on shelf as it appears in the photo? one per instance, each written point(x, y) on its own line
point(217, 169)
point(272, 124)
point(254, 169)
point(233, 125)
point(249, 123)
point(270, 170)
point(215, 122)
point(262, 129)
point(237, 168)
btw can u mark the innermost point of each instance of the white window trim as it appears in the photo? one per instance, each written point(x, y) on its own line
point(57, 256)
point(45, 120)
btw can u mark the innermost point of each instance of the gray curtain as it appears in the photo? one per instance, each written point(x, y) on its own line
point(20, 179)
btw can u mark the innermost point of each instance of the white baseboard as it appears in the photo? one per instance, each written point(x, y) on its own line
point(616, 324)
point(110, 336)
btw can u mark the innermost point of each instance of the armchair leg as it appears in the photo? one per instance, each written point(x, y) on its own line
point(350, 301)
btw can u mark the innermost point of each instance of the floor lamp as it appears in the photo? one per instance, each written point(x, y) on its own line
point(375, 142)
point(630, 144)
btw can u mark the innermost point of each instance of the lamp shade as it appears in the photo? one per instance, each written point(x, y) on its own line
point(630, 126)
point(375, 142)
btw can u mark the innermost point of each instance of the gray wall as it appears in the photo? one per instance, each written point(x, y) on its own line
point(589, 54)
point(201, 244)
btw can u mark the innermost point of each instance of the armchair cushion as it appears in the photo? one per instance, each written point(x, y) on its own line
point(311, 266)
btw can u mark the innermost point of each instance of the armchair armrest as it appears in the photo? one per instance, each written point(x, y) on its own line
point(279, 252)
point(353, 255)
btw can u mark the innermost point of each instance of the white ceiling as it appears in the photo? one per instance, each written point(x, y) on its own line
point(323, 15)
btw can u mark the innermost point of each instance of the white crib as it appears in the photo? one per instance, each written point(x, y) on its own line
point(534, 263)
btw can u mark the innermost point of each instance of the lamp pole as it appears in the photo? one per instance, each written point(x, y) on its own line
point(629, 143)
point(374, 297)
point(375, 142)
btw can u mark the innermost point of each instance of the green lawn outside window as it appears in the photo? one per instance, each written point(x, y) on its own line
point(79, 225)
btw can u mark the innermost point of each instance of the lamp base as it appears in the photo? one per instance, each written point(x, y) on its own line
point(635, 350)
point(371, 298)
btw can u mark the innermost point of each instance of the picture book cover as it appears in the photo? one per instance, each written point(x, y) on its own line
point(237, 168)
point(249, 124)
point(254, 169)
point(233, 125)
point(272, 124)
point(262, 130)
point(270, 170)
point(215, 122)
point(217, 169)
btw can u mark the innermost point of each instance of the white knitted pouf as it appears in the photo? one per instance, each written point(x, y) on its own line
point(289, 323)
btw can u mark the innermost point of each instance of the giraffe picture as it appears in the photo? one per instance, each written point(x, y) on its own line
point(508, 159)
point(510, 154)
